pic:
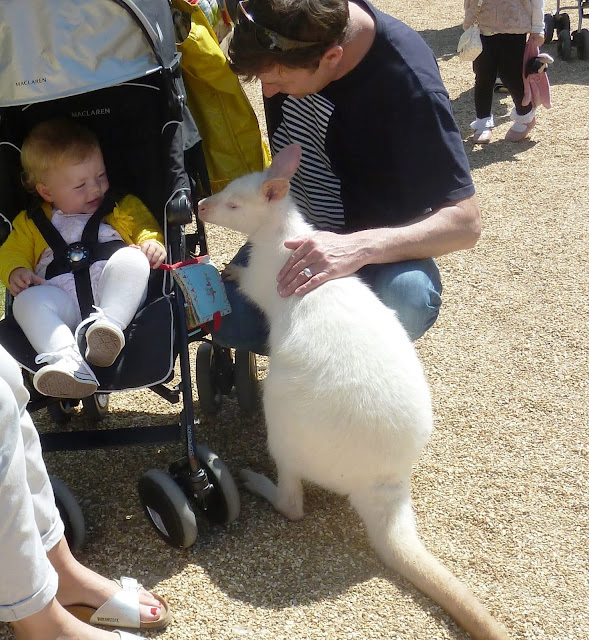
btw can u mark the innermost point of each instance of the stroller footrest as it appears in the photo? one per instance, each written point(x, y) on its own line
point(104, 438)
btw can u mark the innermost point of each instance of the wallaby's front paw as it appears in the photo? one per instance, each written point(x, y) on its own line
point(258, 484)
point(290, 505)
point(231, 272)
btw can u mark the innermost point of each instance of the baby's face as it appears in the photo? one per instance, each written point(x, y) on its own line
point(76, 188)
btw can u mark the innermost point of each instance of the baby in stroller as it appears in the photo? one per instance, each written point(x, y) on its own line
point(63, 164)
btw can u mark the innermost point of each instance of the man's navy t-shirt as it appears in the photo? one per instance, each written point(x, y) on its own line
point(380, 145)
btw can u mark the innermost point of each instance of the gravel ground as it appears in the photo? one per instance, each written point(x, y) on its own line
point(501, 491)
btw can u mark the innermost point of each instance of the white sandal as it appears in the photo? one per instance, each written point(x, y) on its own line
point(122, 610)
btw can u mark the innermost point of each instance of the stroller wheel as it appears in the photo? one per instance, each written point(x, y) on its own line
point(209, 394)
point(70, 512)
point(222, 504)
point(96, 406)
point(61, 412)
point(246, 380)
point(564, 45)
point(549, 24)
point(582, 42)
point(167, 508)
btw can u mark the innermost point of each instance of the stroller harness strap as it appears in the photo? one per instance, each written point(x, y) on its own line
point(77, 257)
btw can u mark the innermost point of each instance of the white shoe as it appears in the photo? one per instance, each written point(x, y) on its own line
point(522, 125)
point(517, 133)
point(67, 375)
point(483, 136)
point(104, 342)
point(482, 128)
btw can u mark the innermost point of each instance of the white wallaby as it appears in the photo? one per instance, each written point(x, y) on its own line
point(346, 402)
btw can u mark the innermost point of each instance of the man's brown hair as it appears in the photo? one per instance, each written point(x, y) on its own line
point(323, 22)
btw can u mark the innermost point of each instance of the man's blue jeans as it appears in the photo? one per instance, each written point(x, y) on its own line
point(413, 289)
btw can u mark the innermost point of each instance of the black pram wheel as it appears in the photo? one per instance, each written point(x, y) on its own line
point(222, 504)
point(246, 380)
point(214, 375)
point(582, 42)
point(96, 406)
point(70, 512)
point(209, 394)
point(548, 27)
point(61, 412)
point(564, 45)
point(167, 508)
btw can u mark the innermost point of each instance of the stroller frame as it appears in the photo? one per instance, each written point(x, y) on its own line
point(199, 479)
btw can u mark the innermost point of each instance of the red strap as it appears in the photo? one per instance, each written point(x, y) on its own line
point(217, 317)
point(177, 265)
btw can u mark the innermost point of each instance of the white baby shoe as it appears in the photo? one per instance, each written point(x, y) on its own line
point(65, 376)
point(104, 342)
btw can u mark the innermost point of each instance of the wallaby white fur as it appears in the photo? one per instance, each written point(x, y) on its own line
point(346, 402)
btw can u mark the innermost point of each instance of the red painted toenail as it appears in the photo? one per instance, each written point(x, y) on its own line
point(153, 611)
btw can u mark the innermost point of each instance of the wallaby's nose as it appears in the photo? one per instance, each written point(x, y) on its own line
point(203, 208)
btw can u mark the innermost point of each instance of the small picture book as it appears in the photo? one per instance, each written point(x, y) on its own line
point(203, 290)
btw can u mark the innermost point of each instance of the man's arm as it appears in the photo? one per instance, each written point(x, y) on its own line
point(328, 255)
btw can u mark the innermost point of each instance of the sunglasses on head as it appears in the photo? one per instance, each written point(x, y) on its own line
point(270, 39)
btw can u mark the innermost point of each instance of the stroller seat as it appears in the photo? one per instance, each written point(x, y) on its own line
point(124, 125)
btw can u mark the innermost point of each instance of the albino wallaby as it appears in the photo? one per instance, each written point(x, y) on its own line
point(346, 403)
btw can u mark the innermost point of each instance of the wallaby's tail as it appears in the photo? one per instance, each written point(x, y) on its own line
point(388, 515)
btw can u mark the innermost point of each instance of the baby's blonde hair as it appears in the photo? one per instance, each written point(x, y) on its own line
point(53, 143)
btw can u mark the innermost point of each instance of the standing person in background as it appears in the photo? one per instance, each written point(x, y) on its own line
point(504, 25)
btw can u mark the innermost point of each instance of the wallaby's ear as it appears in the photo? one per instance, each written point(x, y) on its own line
point(275, 189)
point(286, 162)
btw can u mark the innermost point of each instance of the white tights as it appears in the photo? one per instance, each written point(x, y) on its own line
point(49, 316)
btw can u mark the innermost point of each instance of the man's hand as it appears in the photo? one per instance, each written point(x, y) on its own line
point(318, 258)
point(154, 251)
point(452, 227)
point(22, 278)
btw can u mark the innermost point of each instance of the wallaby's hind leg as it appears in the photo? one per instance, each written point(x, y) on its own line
point(286, 498)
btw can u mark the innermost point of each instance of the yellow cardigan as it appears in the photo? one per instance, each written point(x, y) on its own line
point(25, 244)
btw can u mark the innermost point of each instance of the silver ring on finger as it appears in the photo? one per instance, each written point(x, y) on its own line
point(307, 272)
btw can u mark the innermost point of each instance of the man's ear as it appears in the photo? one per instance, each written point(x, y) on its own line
point(275, 189)
point(332, 57)
point(44, 192)
point(286, 162)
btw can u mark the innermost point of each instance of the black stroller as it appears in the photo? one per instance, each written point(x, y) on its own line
point(579, 38)
point(113, 65)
